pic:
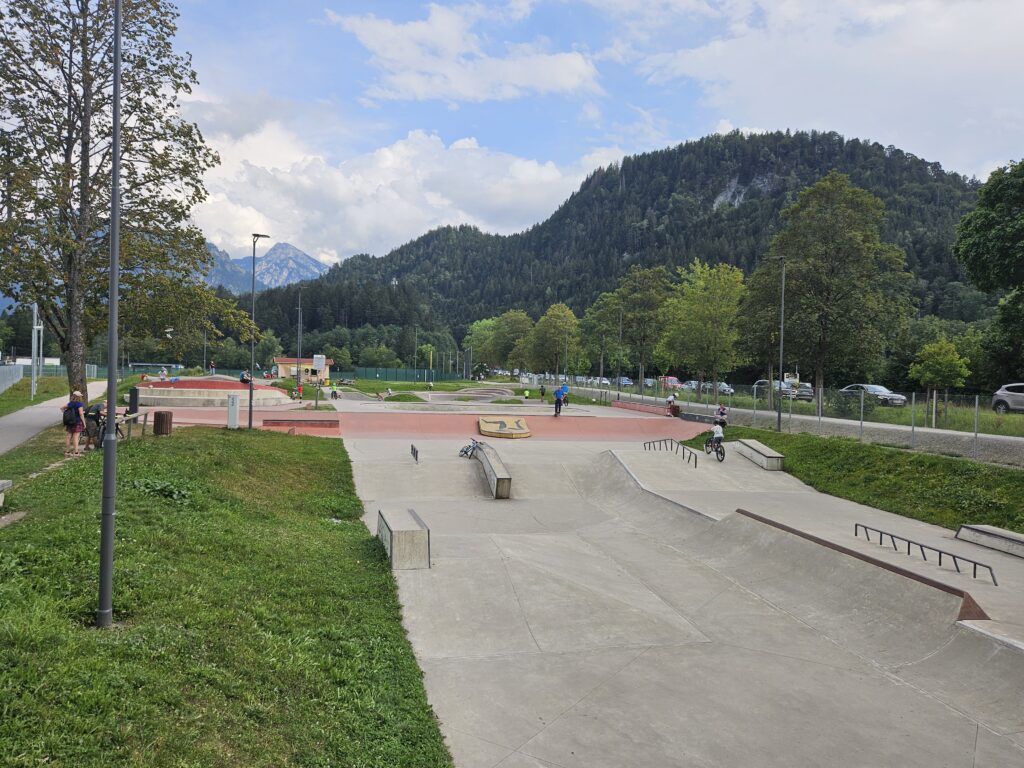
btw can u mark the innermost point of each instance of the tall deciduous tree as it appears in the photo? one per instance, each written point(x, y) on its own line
point(990, 239)
point(56, 75)
point(479, 339)
point(509, 328)
point(990, 245)
point(846, 290)
point(699, 328)
point(642, 293)
point(600, 329)
point(555, 334)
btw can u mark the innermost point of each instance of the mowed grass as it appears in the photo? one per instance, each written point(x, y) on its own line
point(17, 396)
point(936, 489)
point(257, 619)
point(373, 386)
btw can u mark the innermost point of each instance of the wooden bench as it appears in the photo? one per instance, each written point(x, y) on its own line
point(989, 536)
point(5, 485)
point(498, 477)
point(406, 538)
point(760, 454)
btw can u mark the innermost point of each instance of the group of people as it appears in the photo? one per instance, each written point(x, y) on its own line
point(79, 419)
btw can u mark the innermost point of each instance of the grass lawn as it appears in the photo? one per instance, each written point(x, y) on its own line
point(17, 397)
point(258, 623)
point(373, 386)
point(936, 489)
point(405, 397)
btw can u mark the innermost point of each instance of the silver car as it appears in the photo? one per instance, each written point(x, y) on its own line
point(1009, 397)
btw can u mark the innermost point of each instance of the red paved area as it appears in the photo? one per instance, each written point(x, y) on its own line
point(441, 425)
point(199, 384)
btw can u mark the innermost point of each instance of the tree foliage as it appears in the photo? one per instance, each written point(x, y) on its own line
point(940, 366)
point(990, 239)
point(554, 336)
point(846, 290)
point(699, 320)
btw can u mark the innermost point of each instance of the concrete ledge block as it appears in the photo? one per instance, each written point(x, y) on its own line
point(406, 539)
point(760, 454)
point(990, 536)
point(498, 477)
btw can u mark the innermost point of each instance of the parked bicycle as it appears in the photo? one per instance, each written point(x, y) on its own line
point(468, 450)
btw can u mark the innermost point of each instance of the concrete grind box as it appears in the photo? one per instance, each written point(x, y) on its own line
point(406, 539)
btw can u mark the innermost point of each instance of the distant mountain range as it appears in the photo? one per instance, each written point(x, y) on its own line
point(283, 264)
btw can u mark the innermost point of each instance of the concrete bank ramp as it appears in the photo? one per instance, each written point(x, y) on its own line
point(588, 622)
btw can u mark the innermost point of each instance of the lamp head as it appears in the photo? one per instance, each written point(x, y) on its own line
point(256, 236)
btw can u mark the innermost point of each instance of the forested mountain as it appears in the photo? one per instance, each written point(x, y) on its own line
point(717, 198)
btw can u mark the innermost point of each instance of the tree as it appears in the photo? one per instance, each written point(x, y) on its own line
point(641, 293)
point(600, 329)
point(378, 356)
point(480, 339)
point(846, 290)
point(939, 366)
point(990, 239)
point(554, 335)
point(699, 328)
point(990, 245)
point(509, 328)
point(56, 70)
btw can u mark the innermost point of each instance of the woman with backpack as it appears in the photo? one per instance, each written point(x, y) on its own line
point(74, 423)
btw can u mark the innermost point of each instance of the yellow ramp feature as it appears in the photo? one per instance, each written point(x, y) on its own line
point(503, 426)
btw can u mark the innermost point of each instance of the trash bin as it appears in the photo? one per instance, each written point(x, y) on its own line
point(162, 423)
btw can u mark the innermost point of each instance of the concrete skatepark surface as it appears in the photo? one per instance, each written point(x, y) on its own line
point(616, 611)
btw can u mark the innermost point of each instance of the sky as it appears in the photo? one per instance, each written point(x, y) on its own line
point(354, 126)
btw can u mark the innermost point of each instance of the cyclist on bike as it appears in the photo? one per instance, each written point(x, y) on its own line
point(717, 433)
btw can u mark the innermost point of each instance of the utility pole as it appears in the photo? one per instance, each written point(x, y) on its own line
point(252, 315)
point(298, 350)
point(782, 329)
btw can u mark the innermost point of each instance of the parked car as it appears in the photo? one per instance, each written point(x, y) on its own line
point(884, 395)
point(761, 388)
point(604, 382)
point(805, 391)
point(669, 382)
point(625, 381)
point(1009, 397)
point(649, 383)
point(691, 386)
point(723, 389)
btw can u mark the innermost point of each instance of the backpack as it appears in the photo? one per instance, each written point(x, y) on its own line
point(70, 416)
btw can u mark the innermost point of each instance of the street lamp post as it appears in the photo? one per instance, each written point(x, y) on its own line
point(252, 341)
point(782, 330)
point(105, 610)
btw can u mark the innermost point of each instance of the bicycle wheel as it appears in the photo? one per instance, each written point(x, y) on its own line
point(707, 445)
point(720, 452)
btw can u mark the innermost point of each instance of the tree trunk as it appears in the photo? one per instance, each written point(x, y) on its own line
point(74, 290)
point(819, 390)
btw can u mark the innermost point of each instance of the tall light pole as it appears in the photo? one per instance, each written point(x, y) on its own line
point(298, 349)
point(105, 611)
point(782, 330)
point(252, 341)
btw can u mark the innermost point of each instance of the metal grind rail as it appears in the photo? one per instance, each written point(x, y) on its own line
point(924, 550)
point(671, 444)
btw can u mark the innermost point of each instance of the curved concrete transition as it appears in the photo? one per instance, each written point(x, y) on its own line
point(609, 615)
point(206, 393)
point(503, 426)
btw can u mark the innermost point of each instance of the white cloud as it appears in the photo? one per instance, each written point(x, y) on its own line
point(934, 77)
point(271, 181)
point(442, 58)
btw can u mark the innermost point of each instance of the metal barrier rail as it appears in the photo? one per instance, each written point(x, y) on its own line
point(924, 549)
point(671, 444)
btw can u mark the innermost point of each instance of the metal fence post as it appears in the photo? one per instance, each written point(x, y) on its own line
point(977, 404)
point(753, 419)
point(791, 414)
point(913, 417)
point(862, 415)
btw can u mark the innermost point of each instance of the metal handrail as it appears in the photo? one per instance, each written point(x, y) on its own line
point(924, 549)
point(671, 444)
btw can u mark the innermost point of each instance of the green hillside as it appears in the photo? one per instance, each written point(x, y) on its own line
point(717, 198)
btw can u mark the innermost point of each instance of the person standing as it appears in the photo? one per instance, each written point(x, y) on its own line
point(74, 423)
point(93, 415)
point(558, 401)
point(163, 374)
point(543, 391)
point(213, 368)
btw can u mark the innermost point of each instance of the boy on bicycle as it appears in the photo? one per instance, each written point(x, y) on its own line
point(717, 433)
